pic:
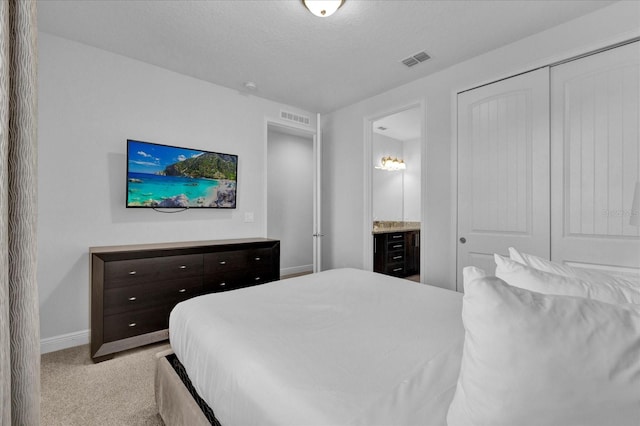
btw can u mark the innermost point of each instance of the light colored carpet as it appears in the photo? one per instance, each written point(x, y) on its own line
point(75, 391)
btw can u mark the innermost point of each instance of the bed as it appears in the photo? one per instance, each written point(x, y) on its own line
point(350, 347)
point(339, 347)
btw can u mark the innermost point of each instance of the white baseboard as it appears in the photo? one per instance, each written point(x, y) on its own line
point(64, 341)
point(296, 270)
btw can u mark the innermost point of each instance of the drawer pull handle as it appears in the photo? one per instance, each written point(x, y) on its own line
point(397, 246)
point(223, 262)
point(257, 258)
point(132, 324)
point(132, 273)
point(183, 266)
point(397, 270)
point(131, 299)
point(182, 290)
point(396, 236)
point(223, 284)
point(257, 278)
point(397, 257)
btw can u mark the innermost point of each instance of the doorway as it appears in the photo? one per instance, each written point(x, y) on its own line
point(394, 152)
point(290, 193)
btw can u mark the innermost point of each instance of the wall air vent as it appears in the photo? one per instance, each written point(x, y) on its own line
point(296, 118)
point(416, 59)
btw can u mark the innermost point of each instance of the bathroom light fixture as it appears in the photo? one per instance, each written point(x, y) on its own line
point(391, 164)
point(322, 8)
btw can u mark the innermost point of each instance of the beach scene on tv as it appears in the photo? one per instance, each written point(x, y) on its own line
point(171, 177)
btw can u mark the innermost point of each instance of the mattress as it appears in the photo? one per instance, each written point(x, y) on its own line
point(341, 347)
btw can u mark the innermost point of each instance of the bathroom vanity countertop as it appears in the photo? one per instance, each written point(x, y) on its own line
point(383, 227)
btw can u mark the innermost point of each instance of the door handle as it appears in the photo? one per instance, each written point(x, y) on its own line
point(463, 240)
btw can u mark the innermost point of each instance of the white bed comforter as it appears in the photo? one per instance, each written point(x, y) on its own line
point(342, 347)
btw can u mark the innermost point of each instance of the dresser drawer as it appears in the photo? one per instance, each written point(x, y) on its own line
point(128, 324)
point(395, 246)
point(395, 237)
point(223, 281)
point(121, 273)
point(259, 275)
point(396, 269)
point(259, 258)
point(235, 260)
point(395, 257)
point(225, 261)
point(229, 280)
point(135, 297)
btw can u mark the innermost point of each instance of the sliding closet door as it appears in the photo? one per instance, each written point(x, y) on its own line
point(596, 160)
point(503, 170)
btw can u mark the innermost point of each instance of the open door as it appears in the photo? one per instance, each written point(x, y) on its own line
point(292, 197)
point(317, 198)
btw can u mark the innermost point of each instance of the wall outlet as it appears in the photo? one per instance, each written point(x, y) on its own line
point(248, 217)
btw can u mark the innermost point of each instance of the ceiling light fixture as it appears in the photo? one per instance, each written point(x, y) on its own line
point(322, 8)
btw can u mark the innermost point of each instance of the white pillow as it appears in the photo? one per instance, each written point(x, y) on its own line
point(568, 271)
point(519, 275)
point(470, 273)
point(535, 359)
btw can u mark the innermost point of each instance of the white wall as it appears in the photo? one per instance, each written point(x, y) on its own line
point(290, 172)
point(90, 102)
point(411, 154)
point(343, 137)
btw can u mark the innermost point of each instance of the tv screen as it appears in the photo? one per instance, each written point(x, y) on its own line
point(163, 176)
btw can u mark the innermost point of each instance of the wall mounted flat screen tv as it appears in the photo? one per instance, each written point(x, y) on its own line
point(163, 176)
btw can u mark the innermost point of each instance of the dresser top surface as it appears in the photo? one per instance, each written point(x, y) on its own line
point(175, 245)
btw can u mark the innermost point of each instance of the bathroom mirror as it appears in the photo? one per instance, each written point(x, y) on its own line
point(396, 148)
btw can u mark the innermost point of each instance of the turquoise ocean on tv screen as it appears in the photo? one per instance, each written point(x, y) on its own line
point(145, 187)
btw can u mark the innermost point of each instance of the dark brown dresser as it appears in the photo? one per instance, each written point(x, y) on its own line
point(134, 287)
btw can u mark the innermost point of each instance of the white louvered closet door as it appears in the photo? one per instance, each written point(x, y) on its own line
point(596, 160)
point(503, 170)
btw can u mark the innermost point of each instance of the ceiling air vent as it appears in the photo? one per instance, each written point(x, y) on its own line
point(416, 59)
point(296, 118)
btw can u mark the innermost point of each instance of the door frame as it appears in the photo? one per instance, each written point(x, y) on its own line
point(305, 132)
point(367, 259)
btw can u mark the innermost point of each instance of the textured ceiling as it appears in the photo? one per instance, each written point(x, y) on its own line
point(318, 64)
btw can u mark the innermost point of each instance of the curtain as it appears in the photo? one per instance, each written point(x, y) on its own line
point(19, 315)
